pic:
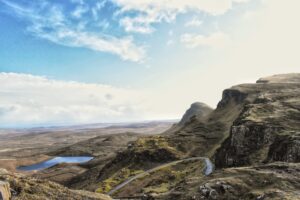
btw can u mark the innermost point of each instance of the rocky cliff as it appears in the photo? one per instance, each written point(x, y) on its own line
point(261, 126)
point(253, 124)
point(268, 128)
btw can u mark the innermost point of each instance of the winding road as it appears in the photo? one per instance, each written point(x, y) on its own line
point(208, 170)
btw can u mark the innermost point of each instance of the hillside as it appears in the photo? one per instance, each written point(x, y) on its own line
point(102, 148)
point(26, 188)
point(253, 124)
point(274, 181)
point(141, 155)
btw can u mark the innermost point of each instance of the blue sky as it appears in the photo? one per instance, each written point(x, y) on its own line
point(32, 39)
point(170, 50)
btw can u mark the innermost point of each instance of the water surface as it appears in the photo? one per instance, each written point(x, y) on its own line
point(55, 161)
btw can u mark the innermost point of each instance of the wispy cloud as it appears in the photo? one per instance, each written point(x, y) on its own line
point(217, 39)
point(48, 21)
point(79, 23)
point(194, 22)
point(80, 10)
point(150, 12)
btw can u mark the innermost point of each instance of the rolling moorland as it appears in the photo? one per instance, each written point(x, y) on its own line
point(252, 140)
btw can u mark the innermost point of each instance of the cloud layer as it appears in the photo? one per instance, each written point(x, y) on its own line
point(217, 39)
point(27, 99)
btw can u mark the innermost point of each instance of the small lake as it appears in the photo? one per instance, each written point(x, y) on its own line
point(55, 161)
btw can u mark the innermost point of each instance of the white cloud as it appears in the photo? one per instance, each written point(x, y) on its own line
point(154, 11)
point(214, 7)
point(27, 99)
point(217, 39)
point(138, 24)
point(79, 11)
point(49, 22)
point(97, 8)
point(170, 42)
point(194, 22)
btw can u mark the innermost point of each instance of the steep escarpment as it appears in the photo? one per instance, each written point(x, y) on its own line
point(202, 136)
point(267, 129)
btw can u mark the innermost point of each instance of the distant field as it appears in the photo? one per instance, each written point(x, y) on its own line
point(28, 146)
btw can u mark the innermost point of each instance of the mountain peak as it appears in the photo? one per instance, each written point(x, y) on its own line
point(197, 109)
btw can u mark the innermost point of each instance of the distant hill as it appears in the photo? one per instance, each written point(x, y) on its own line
point(197, 109)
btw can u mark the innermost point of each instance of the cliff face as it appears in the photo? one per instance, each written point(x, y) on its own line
point(267, 129)
point(257, 154)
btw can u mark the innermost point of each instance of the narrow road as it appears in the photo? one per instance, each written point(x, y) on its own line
point(208, 170)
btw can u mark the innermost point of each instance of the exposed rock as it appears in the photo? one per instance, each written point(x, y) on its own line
point(234, 96)
point(285, 148)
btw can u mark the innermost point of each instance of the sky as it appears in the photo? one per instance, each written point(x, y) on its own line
point(90, 61)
